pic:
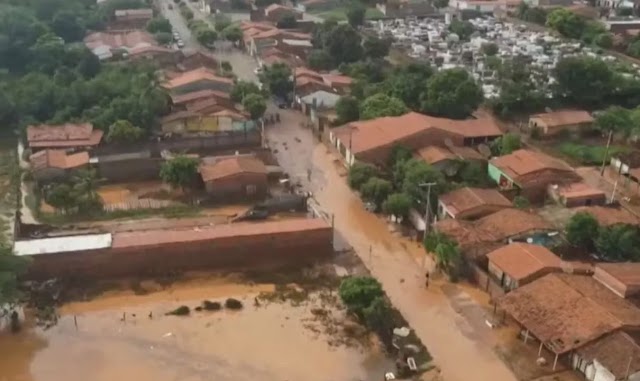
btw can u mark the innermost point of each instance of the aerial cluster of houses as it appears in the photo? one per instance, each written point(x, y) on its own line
point(580, 310)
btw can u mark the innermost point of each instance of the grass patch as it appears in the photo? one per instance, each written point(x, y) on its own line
point(175, 211)
point(340, 14)
point(589, 155)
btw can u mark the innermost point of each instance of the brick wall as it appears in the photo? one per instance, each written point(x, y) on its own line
point(258, 251)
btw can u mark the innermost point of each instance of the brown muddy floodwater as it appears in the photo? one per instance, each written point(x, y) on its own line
point(273, 341)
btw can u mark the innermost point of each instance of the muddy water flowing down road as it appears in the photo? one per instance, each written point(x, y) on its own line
point(271, 342)
point(459, 348)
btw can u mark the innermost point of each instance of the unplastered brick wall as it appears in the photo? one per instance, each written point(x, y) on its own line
point(259, 251)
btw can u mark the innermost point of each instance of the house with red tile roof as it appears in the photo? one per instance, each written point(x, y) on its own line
point(530, 173)
point(519, 263)
point(555, 122)
point(372, 140)
point(471, 203)
point(198, 79)
point(67, 136)
point(235, 177)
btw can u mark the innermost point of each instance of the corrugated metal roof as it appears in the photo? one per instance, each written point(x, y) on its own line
point(62, 244)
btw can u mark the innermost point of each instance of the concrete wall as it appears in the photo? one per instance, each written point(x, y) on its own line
point(259, 251)
point(130, 170)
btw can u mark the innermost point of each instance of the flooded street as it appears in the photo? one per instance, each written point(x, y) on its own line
point(447, 319)
point(273, 341)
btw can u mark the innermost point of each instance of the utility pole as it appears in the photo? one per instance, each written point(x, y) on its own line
point(427, 213)
point(606, 153)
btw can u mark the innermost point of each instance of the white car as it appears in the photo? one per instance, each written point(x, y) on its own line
point(180, 44)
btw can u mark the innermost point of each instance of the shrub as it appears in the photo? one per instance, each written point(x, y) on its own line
point(357, 293)
point(180, 311)
point(211, 306)
point(233, 304)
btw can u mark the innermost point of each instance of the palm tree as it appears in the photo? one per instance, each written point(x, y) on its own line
point(85, 185)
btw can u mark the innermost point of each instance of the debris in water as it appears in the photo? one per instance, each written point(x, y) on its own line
point(180, 311)
point(212, 306)
point(233, 304)
point(199, 308)
point(168, 334)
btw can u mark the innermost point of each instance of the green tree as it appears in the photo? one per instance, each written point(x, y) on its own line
point(582, 230)
point(616, 119)
point(186, 13)
point(380, 105)
point(319, 60)
point(634, 49)
point(376, 190)
point(68, 25)
point(416, 173)
point(344, 44)
point(374, 47)
point(584, 81)
point(221, 22)
point(255, 105)
point(619, 243)
point(359, 292)
point(85, 188)
point(604, 40)
point(287, 21)
point(206, 36)
point(347, 110)
point(163, 38)
point(463, 29)
point(441, 3)
point(61, 196)
point(446, 251)
point(123, 131)
point(378, 317)
point(566, 23)
point(474, 174)
point(179, 172)
point(243, 88)
point(355, 14)
point(519, 93)
point(232, 33)
point(399, 155)
point(277, 78)
point(11, 268)
point(360, 173)
point(397, 204)
point(490, 49)
point(159, 25)
point(409, 83)
point(452, 93)
point(506, 144)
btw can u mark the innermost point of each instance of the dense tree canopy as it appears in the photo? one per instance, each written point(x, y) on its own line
point(243, 88)
point(347, 110)
point(255, 105)
point(582, 230)
point(277, 79)
point(320, 60)
point(179, 172)
point(583, 80)
point(566, 23)
point(380, 105)
point(452, 93)
point(159, 25)
point(341, 41)
point(123, 131)
point(374, 47)
point(355, 14)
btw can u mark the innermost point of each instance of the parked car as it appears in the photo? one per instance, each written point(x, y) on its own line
point(180, 44)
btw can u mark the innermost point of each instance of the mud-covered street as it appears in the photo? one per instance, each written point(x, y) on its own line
point(447, 319)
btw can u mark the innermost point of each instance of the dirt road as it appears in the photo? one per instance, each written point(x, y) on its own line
point(461, 345)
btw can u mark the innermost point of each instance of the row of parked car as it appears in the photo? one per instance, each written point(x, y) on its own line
point(178, 39)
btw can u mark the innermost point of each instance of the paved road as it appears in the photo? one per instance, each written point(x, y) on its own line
point(178, 23)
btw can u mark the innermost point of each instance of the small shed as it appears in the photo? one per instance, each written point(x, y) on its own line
point(235, 177)
point(577, 194)
point(621, 278)
point(552, 123)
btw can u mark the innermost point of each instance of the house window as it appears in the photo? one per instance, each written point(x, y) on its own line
point(252, 189)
